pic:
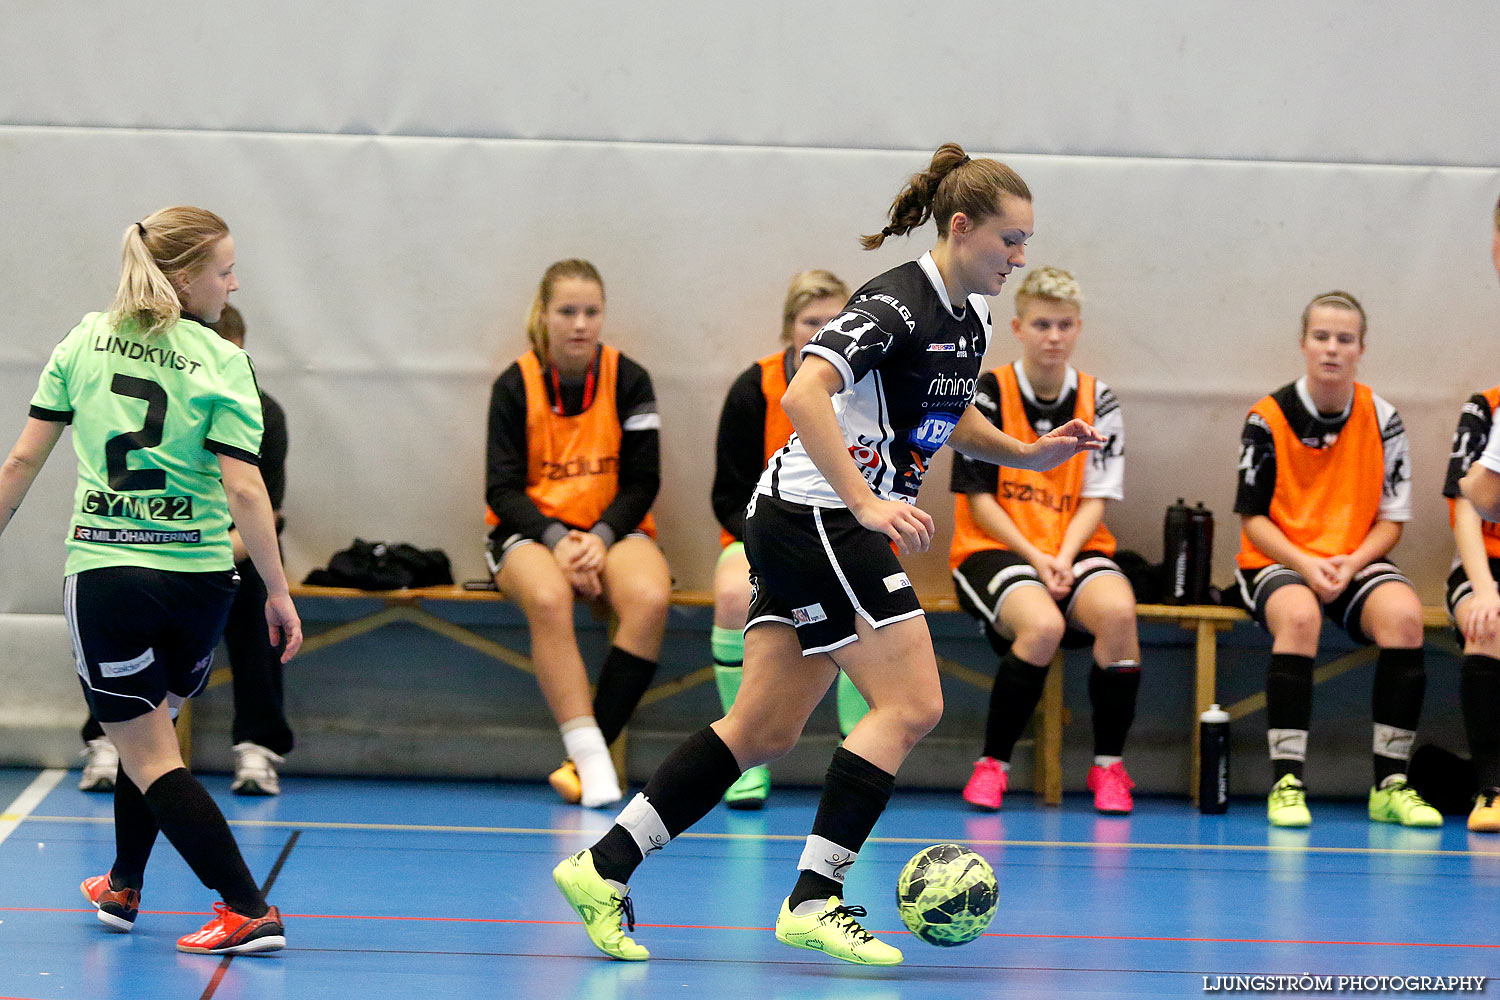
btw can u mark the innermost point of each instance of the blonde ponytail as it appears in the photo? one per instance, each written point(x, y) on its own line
point(176, 241)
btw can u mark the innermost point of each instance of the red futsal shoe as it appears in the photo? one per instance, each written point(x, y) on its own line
point(117, 908)
point(231, 933)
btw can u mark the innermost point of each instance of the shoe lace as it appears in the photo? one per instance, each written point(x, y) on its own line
point(1288, 795)
point(845, 917)
point(626, 906)
point(1488, 796)
point(1407, 795)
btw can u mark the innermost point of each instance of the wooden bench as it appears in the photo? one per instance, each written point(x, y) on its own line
point(1205, 621)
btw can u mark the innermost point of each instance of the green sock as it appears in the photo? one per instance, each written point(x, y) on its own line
point(728, 647)
point(851, 704)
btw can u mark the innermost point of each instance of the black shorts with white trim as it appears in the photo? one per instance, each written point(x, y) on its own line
point(984, 580)
point(1257, 586)
point(140, 635)
point(815, 568)
point(1458, 588)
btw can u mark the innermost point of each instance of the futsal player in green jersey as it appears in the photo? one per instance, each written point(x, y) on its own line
point(167, 429)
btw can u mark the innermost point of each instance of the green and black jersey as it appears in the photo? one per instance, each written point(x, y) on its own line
point(149, 414)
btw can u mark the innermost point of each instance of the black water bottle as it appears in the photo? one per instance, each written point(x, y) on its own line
point(1200, 554)
point(1174, 553)
point(1213, 772)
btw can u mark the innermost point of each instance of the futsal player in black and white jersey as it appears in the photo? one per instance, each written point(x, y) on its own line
point(880, 389)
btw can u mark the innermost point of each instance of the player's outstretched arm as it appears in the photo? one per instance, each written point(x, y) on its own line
point(250, 508)
point(977, 438)
point(24, 462)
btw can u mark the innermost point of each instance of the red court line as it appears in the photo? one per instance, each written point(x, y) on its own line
point(727, 927)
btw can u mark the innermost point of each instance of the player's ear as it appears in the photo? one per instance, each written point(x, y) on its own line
point(960, 224)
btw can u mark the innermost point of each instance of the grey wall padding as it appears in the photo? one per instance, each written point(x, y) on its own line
point(397, 180)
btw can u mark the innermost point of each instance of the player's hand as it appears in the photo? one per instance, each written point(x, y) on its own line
point(283, 625)
point(1343, 569)
point(1056, 574)
point(1479, 616)
point(1062, 443)
point(1324, 577)
point(908, 526)
point(580, 552)
point(585, 583)
point(591, 551)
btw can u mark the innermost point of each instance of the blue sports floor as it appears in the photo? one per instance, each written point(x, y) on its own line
point(438, 890)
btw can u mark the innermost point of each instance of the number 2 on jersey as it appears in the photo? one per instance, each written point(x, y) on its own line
point(118, 448)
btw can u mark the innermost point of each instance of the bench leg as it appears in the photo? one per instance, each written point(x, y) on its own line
point(1049, 725)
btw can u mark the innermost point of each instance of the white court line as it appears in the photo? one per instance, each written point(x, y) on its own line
point(28, 800)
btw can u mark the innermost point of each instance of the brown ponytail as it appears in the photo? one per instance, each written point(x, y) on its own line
point(951, 183)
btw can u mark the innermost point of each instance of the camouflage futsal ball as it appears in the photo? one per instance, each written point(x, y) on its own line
point(947, 895)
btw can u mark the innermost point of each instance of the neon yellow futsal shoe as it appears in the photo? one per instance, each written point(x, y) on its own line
point(834, 931)
point(1398, 802)
point(599, 906)
point(750, 789)
point(1287, 803)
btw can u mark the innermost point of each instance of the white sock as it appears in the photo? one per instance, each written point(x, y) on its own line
point(1102, 761)
point(596, 772)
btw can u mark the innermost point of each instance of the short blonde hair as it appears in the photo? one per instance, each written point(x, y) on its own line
point(536, 323)
point(1335, 299)
point(165, 244)
point(808, 286)
point(1049, 284)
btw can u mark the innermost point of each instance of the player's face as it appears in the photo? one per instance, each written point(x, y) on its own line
point(574, 318)
point(810, 319)
point(1332, 345)
point(991, 248)
point(206, 294)
point(1048, 332)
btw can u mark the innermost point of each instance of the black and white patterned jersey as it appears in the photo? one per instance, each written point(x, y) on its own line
point(1471, 442)
point(910, 364)
point(1103, 476)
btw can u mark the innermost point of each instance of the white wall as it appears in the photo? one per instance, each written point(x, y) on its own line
point(398, 177)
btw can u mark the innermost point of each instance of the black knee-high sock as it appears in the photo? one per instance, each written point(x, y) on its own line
point(135, 834)
point(1289, 693)
point(681, 792)
point(1112, 693)
point(1400, 684)
point(1479, 693)
point(855, 793)
point(622, 680)
point(1017, 689)
point(197, 829)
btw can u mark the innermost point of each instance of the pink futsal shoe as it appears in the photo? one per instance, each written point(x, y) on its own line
point(117, 908)
point(1111, 787)
point(987, 785)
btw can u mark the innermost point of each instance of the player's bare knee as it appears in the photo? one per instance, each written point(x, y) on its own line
point(731, 598)
point(1040, 636)
point(548, 603)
